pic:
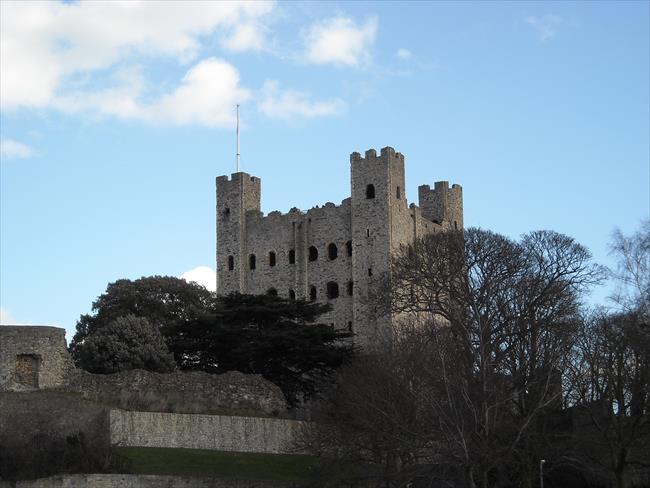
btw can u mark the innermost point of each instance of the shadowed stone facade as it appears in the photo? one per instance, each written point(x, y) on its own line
point(141, 481)
point(33, 358)
point(181, 392)
point(212, 432)
point(36, 358)
point(338, 254)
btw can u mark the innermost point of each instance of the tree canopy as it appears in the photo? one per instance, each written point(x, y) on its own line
point(128, 342)
point(165, 301)
point(267, 335)
point(259, 334)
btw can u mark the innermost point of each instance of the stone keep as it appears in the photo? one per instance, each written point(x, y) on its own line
point(336, 254)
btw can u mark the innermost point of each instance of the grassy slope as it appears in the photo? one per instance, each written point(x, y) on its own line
point(202, 463)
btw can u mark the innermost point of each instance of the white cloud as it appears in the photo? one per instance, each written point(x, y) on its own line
point(11, 149)
point(206, 96)
point(290, 104)
point(43, 43)
point(340, 41)
point(245, 37)
point(404, 53)
point(202, 275)
point(546, 26)
point(7, 319)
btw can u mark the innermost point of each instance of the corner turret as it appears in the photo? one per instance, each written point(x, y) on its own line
point(238, 198)
point(442, 205)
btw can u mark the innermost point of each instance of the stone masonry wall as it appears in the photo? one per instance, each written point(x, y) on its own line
point(375, 228)
point(194, 392)
point(32, 358)
point(223, 433)
point(138, 481)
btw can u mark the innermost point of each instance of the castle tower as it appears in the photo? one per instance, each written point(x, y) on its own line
point(378, 209)
point(442, 204)
point(238, 199)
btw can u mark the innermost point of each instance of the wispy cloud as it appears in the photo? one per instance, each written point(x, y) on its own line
point(44, 43)
point(291, 104)
point(245, 37)
point(340, 41)
point(202, 275)
point(546, 27)
point(7, 319)
point(404, 53)
point(11, 149)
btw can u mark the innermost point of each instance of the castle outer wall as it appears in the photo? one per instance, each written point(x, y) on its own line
point(337, 254)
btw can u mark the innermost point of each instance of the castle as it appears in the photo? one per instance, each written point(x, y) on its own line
point(335, 254)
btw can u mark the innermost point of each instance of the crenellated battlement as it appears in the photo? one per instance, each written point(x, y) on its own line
point(295, 213)
point(387, 153)
point(237, 178)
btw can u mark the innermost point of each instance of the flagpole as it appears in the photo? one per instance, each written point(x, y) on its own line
point(237, 138)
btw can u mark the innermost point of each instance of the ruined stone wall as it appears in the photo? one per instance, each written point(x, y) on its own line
point(216, 432)
point(375, 227)
point(32, 358)
point(139, 481)
point(182, 392)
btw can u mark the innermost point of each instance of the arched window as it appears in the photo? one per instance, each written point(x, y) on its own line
point(332, 251)
point(370, 191)
point(231, 263)
point(292, 256)
point(398, 193)
point(348, 246)
point(292, 295)
point(455, 225)
point(226, 213)
point(251, 261)
point(272, 258)
point(312, 293)
point(272, 292)
point(313, 253)
point(350, 287)
point(332, 290)
point(349, 326)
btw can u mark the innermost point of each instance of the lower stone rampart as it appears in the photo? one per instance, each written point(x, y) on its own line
point(181, 392)
point(138, 481)
point(216, 432)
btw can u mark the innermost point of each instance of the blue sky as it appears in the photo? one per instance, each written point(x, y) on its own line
point(116, 118)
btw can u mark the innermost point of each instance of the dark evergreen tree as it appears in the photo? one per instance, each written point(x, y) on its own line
point(267, 335)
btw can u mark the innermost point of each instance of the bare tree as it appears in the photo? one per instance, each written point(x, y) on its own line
point(486, 325)
point(632, 273)
point(610, 371)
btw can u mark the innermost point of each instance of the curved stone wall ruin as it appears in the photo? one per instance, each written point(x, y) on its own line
point(33, 358)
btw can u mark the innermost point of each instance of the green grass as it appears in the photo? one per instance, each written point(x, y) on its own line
point(203, 463)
